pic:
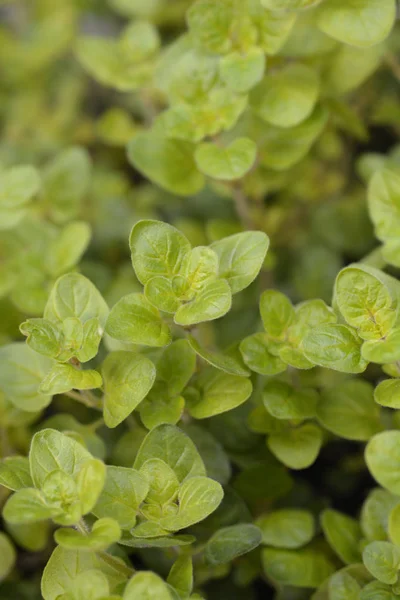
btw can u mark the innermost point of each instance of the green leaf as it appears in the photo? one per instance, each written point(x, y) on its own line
point(343, 534)
point(176, 366)
point(28, 506)
point(181, 576)
point(147, 586)
point(73, 295)
point(198, 497)
point(342, 586)
point(157, 249)
point(242, 71)
point(168, 163)
point(15, 473)
point(21, 371)
point(283, 401)
point(140, 39)
point(365, 302)
point(287, 528)
point(229, 163)
point(382, 560)
point(349, 411)
point(375, 514)
point(91, 585)
point(159, 407)
point(241, 257)
point(159, 291)
point(307, 567)
point(359, 23)
point(230, 542)
point(90, 482)
point(163, 482)
point(66, 181)
point(376, 591)
point(383, 351)
point(210, 25)
point(335, 347)
point(202, 268)
point(277, 313)
point(65, 377)
point(8, 555)
point(387, 393)
point(383, 203)
point(67, 249)
point(167, 541)
point(288, 4)
point(128, 378)
point(175, 448)
point(286, 97)
point(123, 492)
point(211, 451)
point(211, 303)
point(394, 525)
point(224, 362)
point(257, 355)
point(42, 337)
point(297, 448)
point(135, 320)
point(51, 450)
point(382, 456)
point(216, 392)
point(105, 532)
point(17, 188)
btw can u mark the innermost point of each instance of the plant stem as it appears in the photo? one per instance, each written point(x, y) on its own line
point(86, 398)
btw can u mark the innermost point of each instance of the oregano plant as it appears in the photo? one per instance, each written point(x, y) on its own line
point(199, 300)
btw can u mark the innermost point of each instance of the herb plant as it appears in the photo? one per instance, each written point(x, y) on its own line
point(199, 300)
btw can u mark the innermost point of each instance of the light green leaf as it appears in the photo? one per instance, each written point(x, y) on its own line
point(128, 378)
point(163, 482)
point(73, 295)
point(17, 188)
point(288, 4)
point(343, 535)
point(135, 320)
point(21, 371)
point(383, 203)
point(8, 555)
point(159, 291)
point(147, 586)
point(91, 585)
point(198, 497)
point(140, 39)
point(242, 71)
point(175, 448)
point(383, 351)
point(28, 506)
point(202, 268)
point(387, 393)
point(230, 542)
point(67, 249)
point(286, 97)
point(382, 560)
point(283, 401)
point(51, 450)
point(376, 591)
point(307, 567)
point(216, 392)
point(277, 313)
point(90, 482)
point(335, 347)
point(210, 25)
point(167, 162)
point(342, 586)
point(211, 451)
point(123, 492)
point(297, 448)
point(65, 377)
point(382, 456)
point(211, 303)
point(349, 410)
point(256, 353)
point(394, 525)
point(229, 163)
point(15, 473)
point(159, 407)
point(157, 249)
point(181, 576)
point(359, 23)
point(105, 532)
point(42, 337)
point(287, 528)
point(241, 257)
point(224, 362)
point(66, 180)
point(375, 514)
point(176, 366)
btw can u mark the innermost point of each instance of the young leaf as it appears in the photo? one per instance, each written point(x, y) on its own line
point(297, 448)
point(65, 377)
point(387, 393)
point(90, 482)
point(287, 528)
point(176, 366)
point(128, 378)
point(383, 351)
point(159, 291)
point(277, 313)
point(135, 320)
point(8, 556)
point(105, 532)
point(241, 72)
point(230, 542)
point(28, 506)
point(394, 525)
point(307, 567)
point(211, 303)
point(163, 482)
point(15, 473)
point(382, 456)
point(66, 251)
point(157, 249)
point(145, 586)
point(175, 448)
point(382, 560)
point(335, 347)
point(226, 164)
point(256, 353)
point(383, 194)
point(159, 407)
point(285, 402)
point(123, 492)
point(17, 188)
point(375, 514)
point(181, 576)
point(241, 257)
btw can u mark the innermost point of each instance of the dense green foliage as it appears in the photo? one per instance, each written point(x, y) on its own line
point(199, 300)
